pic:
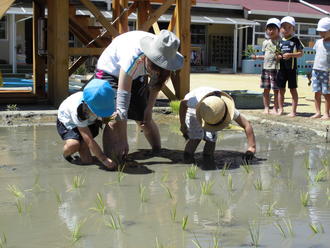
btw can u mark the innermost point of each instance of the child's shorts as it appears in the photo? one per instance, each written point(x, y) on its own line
point(320, 81)
point(268, 79)
point(287, 75)
point(195, 131)
point(74, 133)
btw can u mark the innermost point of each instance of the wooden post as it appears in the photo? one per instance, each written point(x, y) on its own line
point(123, 24)
point(142, 13)
point(58, 56)
point(183, 32)
point(39, 62)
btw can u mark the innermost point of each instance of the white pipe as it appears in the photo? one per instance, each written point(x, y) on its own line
point(314, 7)
point(13, 43)
point(240, 47)
point(235, 50)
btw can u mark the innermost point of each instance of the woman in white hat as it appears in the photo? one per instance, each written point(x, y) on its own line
point(124, 64)
point(205, 111)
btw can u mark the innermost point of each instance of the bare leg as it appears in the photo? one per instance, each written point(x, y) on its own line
point(317, 102)
point(275, 108)
point(327, 107)
point(281, 101)
point(266, 101)
point(85, 154)
point(71, 146)
point(151, 132)
point(294, 95)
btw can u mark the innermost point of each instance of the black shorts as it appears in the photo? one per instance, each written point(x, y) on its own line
point(74, 133)
point(139, 94)
point(287, 75)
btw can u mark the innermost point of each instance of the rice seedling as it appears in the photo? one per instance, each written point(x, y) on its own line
point(250, 51)
point(269, 210)
point(184, 222)
point(12, 107)
point(258, 184)
point(247, 168)
point(254, 230)
point(15, 191)
point(100, 205)
point(77, 182)
point(316, 228)
point(288, 225)
point(230, 182)
point(196, 242)
point(206, 187)
point(19, 206)
point(121, 174)
point(58, 196)
point(221, 210)
point(224, 168)
point(36, 185)
point(307, 164)
point(304, 198)
point(164, 177)
point(3, 241)
point(321, 176)
point(173, 213)
point(167, 189)
point(142, 191)
point(76, 232)
point(175, 105)
point(325, 162)
point(328, 194)
point(114, 222)
point(191, 172)
point(159, 245)
point(277, 167)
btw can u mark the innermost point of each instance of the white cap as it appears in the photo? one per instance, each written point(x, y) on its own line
point(274, 21)
point(324, 24)
point(288, 19)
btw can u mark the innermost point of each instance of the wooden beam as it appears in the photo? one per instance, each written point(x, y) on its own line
point(123, 19)
point(142, 13)
point(39, 62)
point(193, 2)
point(85, 51)
point(172, 23)
point(58, 50)
point(5, 5)
point(183, 32)
point(156, 14)
point(169, 93)
point(98, 15)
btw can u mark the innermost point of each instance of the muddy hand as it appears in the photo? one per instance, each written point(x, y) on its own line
point(248, 155)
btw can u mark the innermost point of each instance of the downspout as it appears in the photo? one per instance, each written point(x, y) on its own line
point(13, 43)
point(314, 7)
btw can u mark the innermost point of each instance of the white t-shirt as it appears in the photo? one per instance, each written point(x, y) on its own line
point(125, 53)
point(67, 112)
point(194, 96)
point(322, 56)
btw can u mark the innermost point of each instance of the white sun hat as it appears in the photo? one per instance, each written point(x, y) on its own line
point(288, 19)
point(215, 111)
point(324, 24)
point(274, 21)
point(162, 50)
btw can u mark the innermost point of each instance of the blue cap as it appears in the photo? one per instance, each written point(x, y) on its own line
point(99, 96)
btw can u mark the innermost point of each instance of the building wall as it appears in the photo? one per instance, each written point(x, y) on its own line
point(4, 45)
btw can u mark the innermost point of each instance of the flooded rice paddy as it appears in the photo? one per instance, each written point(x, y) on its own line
point(280, 200)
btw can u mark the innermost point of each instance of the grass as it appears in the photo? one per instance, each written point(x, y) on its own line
point(184, 222)
point(142, 192)
point(191, 172)
point(254, 230)
point(224, 168)
point(289, 229)
point(304, 198)
point(114, 222)
point(175, 106)
point(12, 107)
point(76, 232)
point(3, 241)
point(12, 188)
point(316, 228)
point(100, 205)
point(321, 176)
point(167, 189)
point(258, 184)
point(206, 187)
point(230, 182)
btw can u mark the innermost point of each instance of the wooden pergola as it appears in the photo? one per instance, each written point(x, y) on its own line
point(62, 19)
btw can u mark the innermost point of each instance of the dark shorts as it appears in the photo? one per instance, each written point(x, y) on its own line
point(287, 75)
point(268, 79)
point(139, 94)
point(74, 133)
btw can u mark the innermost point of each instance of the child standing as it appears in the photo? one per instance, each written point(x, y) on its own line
point(203, 112)
point(320, 73)
point(77, 121)
point(271, 65)
point(291, 49)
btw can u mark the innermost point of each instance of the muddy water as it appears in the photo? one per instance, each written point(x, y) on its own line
point(30, 159)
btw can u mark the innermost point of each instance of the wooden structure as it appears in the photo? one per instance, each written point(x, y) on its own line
point(62, 18)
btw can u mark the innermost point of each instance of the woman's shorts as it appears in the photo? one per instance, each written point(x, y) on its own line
point(195, 130)
point(287, 75)
point(268, 79)
point(74, 133)
point(320, 81)
point(139, 94)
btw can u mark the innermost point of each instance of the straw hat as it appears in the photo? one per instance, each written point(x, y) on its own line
point(162, 50)
point(215, 111)
point(99, 96)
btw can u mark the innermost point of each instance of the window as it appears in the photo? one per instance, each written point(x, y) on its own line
point(198, 34)
point(3, 28)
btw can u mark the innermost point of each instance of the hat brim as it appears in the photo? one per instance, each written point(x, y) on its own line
point(321, 30)
point(171, 64)
point(230, 113)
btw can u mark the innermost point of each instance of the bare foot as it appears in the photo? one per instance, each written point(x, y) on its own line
point(315, 116)
point(325, 117)
point(292, 114)
point(280, 112)
point(266, 111)
point(274, 112)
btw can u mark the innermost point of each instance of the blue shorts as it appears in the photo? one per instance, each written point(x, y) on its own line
point(320, 81)
point(74, 133)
